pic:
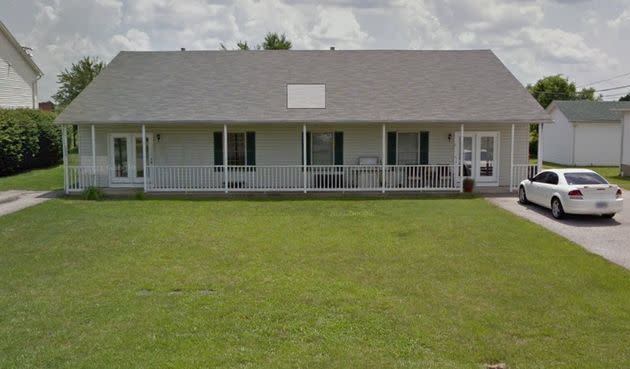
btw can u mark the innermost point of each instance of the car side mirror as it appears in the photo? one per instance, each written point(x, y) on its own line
point(530, 179)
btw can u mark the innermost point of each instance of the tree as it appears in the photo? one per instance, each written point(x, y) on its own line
point(557, 87)
point(625, 98)
point(275, 42)
point(73, 81)
point(272, 42)
point(241, 45)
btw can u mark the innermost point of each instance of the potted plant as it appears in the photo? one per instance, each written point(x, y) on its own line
point(469, 184)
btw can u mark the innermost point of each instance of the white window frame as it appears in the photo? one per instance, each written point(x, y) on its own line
point(332, 142)
point(244, 148)
point(398, 147)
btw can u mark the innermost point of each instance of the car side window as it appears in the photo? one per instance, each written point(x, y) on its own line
point(552, 178)
point(541, 177)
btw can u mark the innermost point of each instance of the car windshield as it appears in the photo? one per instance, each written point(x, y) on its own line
point(584, 178)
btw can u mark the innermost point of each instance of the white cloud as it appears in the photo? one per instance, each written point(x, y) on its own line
point(338, 27)
point(621, 20)
point(533, 37)
point(133, 40)
point(564, 47)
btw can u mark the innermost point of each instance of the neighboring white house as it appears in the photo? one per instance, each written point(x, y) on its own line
point(18, 74)
point(230, 121)
point(625, 143)
point(584, 133)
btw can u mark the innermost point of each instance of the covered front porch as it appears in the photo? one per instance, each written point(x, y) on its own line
point(299, 157)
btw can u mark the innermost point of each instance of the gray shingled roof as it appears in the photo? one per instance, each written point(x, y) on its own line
point(591, 111)
point(250, 86)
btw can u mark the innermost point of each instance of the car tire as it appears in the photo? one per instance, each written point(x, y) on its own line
point(608, 216)
point(556, 208)
point(522, 196)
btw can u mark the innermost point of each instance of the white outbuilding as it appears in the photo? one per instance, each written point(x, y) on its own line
point(585, 133)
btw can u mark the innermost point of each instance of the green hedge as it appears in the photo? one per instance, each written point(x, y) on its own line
point(28, 139)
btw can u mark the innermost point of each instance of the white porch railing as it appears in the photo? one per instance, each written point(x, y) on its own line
point(521, 172)
point(80, 177)
point(422, 177)
point(274, 178)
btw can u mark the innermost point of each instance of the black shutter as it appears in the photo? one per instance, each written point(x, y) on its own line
point(251, 148)
point(391, 148)
point(338, 148)
point(424, 148)
point(218, 148)
point(308, 148)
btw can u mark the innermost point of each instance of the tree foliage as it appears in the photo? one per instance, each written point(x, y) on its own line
point(28, 139)
point(272, 41)
point(625, 98)
point(72, 81)
point(557, 87)
point(275, 42)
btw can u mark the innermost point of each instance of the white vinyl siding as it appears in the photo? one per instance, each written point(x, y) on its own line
point(597, 144)
point(17, 79)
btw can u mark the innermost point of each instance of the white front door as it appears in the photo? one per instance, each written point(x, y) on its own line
point(126, 157)
point(480, 156)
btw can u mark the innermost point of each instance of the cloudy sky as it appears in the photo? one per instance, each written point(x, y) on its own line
point(586, 40)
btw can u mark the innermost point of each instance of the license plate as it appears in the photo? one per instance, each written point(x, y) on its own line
point(601, 205)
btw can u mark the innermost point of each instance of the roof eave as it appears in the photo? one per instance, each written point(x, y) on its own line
point(312, 121)
point(23, 53)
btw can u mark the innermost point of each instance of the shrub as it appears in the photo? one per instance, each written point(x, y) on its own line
point(92, 193)
point(28, 139)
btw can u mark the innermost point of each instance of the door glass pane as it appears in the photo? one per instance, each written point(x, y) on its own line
point(139, 162)
point(322, 148)
point(120, 157)
point(468, 157)
point(236, 148)
point(407, 148)
point(486, 156)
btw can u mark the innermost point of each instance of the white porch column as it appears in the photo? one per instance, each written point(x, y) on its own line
point(93, 155)
point(64, 144)
point(304, 177)
point(512, 160)
point(225, 157)
point(383, 153)
point(144, 157)
point(461, 158)
point(540, 147)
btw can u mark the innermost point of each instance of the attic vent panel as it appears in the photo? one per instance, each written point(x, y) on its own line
point(306, 96)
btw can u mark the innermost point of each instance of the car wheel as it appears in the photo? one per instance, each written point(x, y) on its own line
point(556, 208)
point(608, 216)
point(522, 197)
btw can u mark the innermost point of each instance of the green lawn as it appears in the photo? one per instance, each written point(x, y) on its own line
point(46, 179)
point(610, 173)
point(429, 283)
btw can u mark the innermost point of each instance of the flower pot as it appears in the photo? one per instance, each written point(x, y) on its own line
point(469, 184)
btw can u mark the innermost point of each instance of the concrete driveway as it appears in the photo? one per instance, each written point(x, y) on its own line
point(14, 200)
point(609, 238)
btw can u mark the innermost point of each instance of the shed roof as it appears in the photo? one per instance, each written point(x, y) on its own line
point(583, 111)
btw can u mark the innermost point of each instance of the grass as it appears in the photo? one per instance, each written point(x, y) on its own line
point(432, 283)
point(46, 179)
point(610, 173)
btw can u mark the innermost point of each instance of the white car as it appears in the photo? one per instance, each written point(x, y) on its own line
point(572, 191)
